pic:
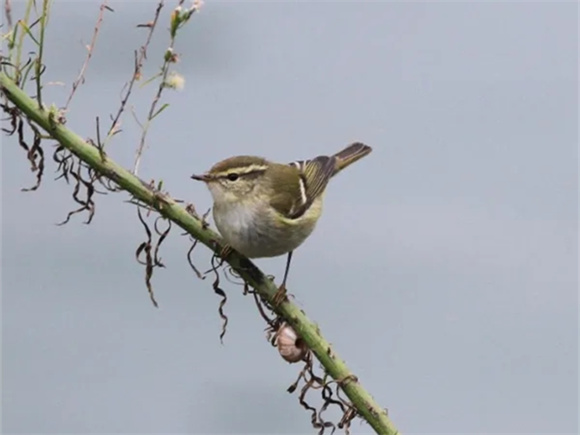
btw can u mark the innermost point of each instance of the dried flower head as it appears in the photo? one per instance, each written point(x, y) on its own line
point(175, 81)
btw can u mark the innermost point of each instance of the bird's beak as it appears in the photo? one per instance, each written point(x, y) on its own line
point(203, 177)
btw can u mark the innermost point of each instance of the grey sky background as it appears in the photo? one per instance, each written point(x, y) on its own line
point(444, 269)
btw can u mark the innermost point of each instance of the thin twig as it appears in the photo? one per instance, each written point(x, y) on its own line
point(8, 14)
point(140, 58)
point(164, 72)
point(38, 63)
point(178, 18)
point(81, 77)
point(19, 45)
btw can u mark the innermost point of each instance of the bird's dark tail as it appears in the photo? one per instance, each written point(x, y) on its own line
point(350, 154)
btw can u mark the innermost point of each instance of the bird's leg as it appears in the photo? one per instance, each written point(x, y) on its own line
point(280, 295)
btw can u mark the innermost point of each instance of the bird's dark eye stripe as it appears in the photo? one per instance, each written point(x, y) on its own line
point(235, 174)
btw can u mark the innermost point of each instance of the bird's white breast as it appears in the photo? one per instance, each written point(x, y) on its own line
point(258, 231)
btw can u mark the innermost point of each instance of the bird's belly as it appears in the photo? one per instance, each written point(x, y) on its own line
point(259, 232)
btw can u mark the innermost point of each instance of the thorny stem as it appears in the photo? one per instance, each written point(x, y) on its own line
point(167, 207)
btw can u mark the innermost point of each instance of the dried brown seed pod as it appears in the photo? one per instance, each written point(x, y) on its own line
point(291, 347)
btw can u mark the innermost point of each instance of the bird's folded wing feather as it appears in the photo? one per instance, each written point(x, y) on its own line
point(314, 175)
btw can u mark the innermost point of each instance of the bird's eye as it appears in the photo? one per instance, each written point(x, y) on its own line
point(233, 176)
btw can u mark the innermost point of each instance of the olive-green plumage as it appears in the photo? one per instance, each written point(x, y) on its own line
point(266, 209)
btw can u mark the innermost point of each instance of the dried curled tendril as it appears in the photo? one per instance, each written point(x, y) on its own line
point(150, 250)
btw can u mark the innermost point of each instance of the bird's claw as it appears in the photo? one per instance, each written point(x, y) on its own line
point(225, 251)
point(280, 295)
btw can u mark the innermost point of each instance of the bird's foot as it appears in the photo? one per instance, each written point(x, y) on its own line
point(225, 251)
point(280, 296)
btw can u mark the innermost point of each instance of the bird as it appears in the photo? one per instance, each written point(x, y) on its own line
point(267, 209)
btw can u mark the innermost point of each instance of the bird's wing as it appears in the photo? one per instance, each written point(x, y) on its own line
point(314, 176)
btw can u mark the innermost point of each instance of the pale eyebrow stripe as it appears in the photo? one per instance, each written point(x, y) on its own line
point(243, 170)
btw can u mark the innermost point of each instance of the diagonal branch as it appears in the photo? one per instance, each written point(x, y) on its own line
point(167, 207)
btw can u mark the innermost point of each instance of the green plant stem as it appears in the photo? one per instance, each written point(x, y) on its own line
point(38, 60)
point(334, 366)
point(20, 44)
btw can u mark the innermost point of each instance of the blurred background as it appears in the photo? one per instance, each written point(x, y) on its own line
point(444, 269)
